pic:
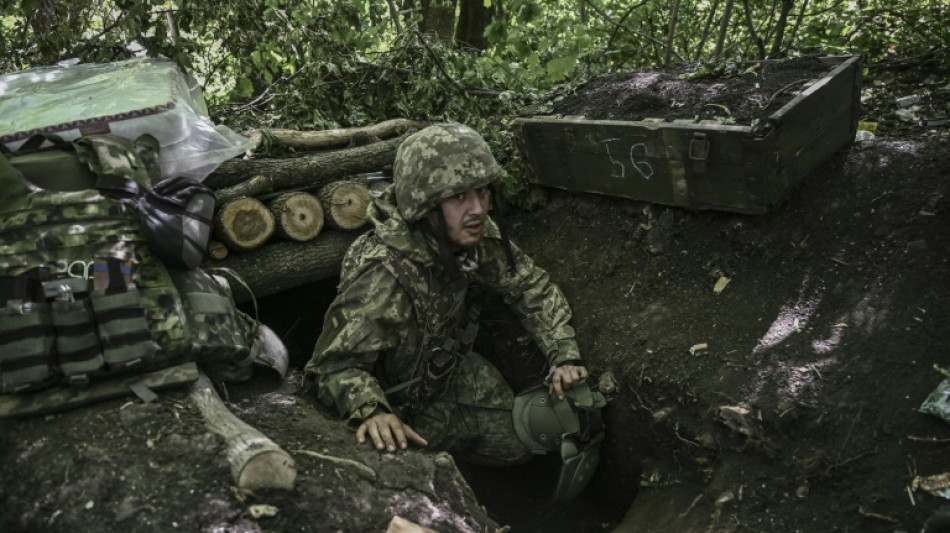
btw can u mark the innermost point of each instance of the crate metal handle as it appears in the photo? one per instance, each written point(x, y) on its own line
point(699, 147)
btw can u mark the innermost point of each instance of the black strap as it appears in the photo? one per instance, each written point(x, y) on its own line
point(124, 186)
point(36, 142)
point(116, 279)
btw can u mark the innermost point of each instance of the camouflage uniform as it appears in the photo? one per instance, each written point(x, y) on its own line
point(396, 301)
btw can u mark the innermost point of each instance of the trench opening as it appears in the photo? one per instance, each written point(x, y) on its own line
point(516, 496)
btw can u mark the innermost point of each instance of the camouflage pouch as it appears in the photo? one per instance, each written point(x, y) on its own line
point(27, 342)
point(123, 331)
point(79, 353)
point(219, 339)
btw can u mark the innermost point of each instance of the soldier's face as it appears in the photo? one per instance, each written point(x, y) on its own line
point(465, 215)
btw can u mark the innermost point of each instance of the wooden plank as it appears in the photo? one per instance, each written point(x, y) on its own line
point(822, 145)
point(815, 108)
point(638, 160)
point(823, 122)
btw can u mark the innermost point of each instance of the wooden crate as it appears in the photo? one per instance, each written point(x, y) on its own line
point(699, 165)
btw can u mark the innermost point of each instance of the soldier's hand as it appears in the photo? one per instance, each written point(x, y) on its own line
point(565, 376)
point(387, 432)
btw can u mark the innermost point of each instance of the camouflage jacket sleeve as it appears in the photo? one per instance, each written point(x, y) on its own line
point(371, 315)
point(542, 307)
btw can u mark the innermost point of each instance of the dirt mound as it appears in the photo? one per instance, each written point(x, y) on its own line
point(731, 93)
point(800, 412)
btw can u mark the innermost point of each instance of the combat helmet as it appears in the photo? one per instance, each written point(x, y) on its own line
point(438, 162)
point(573, 427)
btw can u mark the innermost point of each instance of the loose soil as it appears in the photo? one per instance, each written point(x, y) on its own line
point(731, 93)
point(799, 414)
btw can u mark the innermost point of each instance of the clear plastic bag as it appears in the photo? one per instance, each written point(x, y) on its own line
point(126, 98)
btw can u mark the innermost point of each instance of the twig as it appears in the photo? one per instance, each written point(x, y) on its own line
point(928, 439)
point(363, 470)
point(438, 61)
point(265, 97)
point(691, 506)
point(606, 17)
point(853, 422)
point(846, 461)
point(780, 91)
point(869, 514)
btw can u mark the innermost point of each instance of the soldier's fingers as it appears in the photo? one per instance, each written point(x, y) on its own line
point(386, 432)
point(415, 437)
point(398, 429)
point(557, 385)
point(361, 433)
point(573, 376)
point(374, 433)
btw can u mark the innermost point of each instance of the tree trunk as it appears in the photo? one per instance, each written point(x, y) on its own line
point(256, 461)
point(707, 27)
point(754, 35)
point(344, 204)
point(305, 172)
point(280, 266)
point(671, 31)
point(438, 20)
point(474, 17)
point(780, 27)
point(723, 28)
point(299, 215)
point(243, 224)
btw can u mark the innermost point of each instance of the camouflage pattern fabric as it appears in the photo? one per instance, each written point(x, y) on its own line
point(68, 232)
point(473, 416)
point(438, 162)
point(373, 335)
point(219, 336)
point(57, 399)
point(145, 323)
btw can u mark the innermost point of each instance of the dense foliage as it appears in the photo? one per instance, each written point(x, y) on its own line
point(326, 63)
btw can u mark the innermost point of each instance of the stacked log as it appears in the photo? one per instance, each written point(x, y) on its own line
point(299, 215)
point(285, 222)
point(243, 224)
point(345, 203)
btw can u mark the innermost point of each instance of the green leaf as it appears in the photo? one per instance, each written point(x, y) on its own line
point(243, 88)
point(558, 68)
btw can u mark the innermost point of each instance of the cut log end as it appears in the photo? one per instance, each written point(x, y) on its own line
point(271, 469)
point(256, 461)
point(217, 251)
point(344, 204)
point(244, 224)
point(299, 216)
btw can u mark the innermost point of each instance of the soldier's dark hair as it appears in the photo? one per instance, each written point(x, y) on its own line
point(441, 233)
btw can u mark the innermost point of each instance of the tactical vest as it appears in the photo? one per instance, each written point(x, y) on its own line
point(440, 308)
point(444, 315)
point(82, 296)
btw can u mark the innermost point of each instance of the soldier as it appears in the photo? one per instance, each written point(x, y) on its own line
point(394, 356)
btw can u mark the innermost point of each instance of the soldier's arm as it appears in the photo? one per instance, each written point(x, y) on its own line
point(364, 320)
point(540, 304)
